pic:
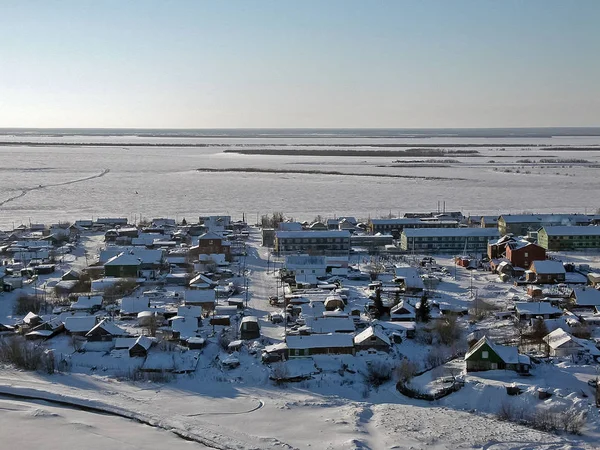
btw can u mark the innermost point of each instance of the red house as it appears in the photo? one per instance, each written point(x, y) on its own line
point(210, 243)
point(522, 254)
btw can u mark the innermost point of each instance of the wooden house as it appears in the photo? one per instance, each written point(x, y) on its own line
point(316, 344)
point(372, 338)
point(485, 355)
point(105, 331)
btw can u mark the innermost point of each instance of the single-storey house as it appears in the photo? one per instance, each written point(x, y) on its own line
point(315, 344)
point(89, 303)
point(79, 325)
point(486, 355)
point(548, 271)
point(403, 312)
point(105, 331)
point(531, 310)
point(123, 265)
point(586, 298)
point(131, 306)
point(372, 338)
point(561, 343)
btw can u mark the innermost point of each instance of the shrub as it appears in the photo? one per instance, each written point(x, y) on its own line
point(279, 373)
point(405, 371)
point(224, 341)
point(23, 354)
point(26, 303)
point(448, 331)
point(378, 373)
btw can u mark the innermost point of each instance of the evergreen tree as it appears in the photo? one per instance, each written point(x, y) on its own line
point(424, 310)
point(378, 303)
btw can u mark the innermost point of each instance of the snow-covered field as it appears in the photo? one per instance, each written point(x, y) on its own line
point(45, 184)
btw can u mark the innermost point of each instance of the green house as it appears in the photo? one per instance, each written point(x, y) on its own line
point(123, 266)
point(485, 355)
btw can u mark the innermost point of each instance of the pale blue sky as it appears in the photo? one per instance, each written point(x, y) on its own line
point(327, 63)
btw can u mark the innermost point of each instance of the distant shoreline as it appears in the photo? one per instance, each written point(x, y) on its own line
point(323, 172)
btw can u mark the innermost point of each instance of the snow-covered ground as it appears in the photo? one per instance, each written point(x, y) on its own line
point(45, 184)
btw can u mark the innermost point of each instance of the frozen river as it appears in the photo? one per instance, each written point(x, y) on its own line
point(46, 183)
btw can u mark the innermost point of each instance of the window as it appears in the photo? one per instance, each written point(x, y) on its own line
point(485, 355)
point(526, 254)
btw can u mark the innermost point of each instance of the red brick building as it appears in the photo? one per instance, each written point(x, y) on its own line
point(210, 243)
point(521, 255)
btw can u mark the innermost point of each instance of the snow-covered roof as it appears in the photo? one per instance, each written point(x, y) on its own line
point(312, 234)
point(199, 296)
point(109, 327)
point(134, 305)
point(572, 231)
point(187, 327)
point(293, 261)
point(548, 267)
point(535, 308)
point(31, 317)
point(201, 280)
point(320, 341)
point(546, 218)
point(488, 233)
point(87, 302)
point(80, 324)
point(368, 333)
point(558, 338)
point(249, 319)
point(397, 310)
point(587, 297)
point(189, 311)
point(289, 226)
point(510, 355)
point(209, 236)
point(325, 325)
point(147, 256)
point(123, 259)
point(412, 280)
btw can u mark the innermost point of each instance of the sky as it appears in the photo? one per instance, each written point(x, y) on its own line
point(299, 64)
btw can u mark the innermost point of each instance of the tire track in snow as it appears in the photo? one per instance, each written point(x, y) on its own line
point(25, 191)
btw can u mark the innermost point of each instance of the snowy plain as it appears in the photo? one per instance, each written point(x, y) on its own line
point(45, 184)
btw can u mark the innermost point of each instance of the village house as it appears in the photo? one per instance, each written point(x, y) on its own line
point(372, 338)
point(210, 243)
point(486, 355)
point(546, 272)
point(447, 240)
point(403, 312)
point(131, 306)
point(79, 325)
point(326, 325)
point(557, 238)
point(532, 310)
point(105, 330)
point(316, 344)
point(560, 343)
point(585, 298)
point(123, 266)
point(89, 303)
point(46, 330)
point(313, 242)
point(518, 252)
